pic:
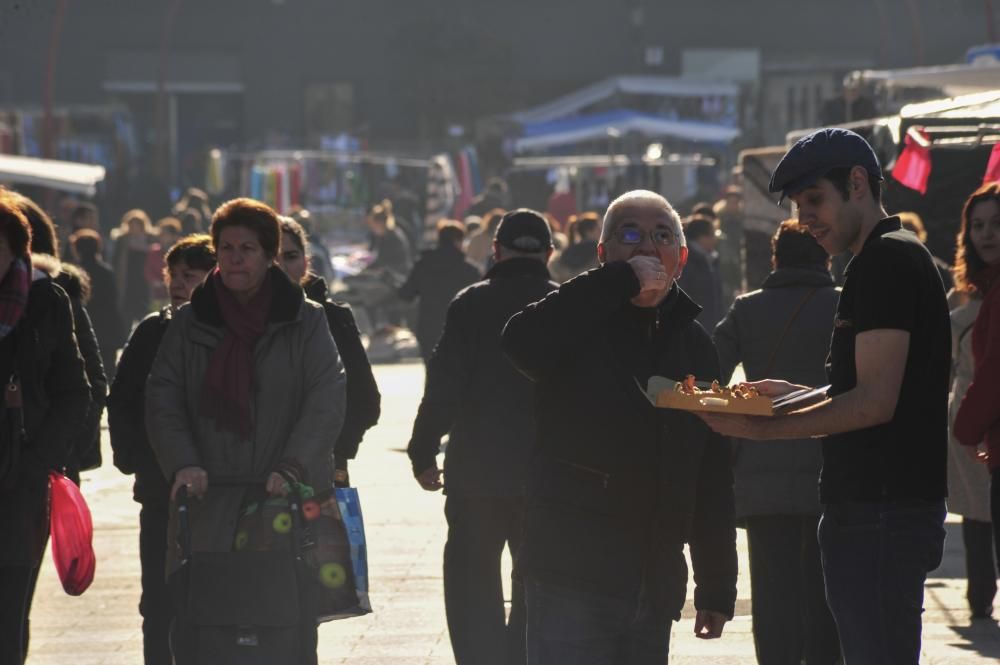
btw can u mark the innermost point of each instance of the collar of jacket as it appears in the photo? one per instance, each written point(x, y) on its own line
point(785, 277)
point(285, 304)
point(677, 309)
point(446, 251)
point(315, 288)
point(518, 267)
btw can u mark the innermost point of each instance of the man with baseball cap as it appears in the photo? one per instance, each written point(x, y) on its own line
point(474, 394)
point(884, 424)
point(617, 487)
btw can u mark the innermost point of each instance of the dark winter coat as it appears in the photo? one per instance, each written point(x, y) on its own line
point(126, 411)
point(436, 277)
point(779, 477)
point(617, 487)
point(42, 351)
point(364, 402)
point(473, 391)
point(576, 259)
point(297, 406)
point(104, 312)
point(86, 452)
point(701, 281)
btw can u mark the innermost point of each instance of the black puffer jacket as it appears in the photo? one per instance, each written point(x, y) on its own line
point(474, 392)
point(42, 352)
point(364, 402)
point(617, 487)
point(126, 411)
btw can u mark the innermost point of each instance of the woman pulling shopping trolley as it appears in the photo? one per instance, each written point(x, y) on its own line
point(247, 384)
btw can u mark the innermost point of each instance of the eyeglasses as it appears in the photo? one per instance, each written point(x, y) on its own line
point(633, 236)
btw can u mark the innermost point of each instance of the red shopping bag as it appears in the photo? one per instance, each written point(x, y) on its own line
point(72, 535)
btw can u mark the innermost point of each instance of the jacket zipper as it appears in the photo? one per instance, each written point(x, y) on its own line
point(605, 477)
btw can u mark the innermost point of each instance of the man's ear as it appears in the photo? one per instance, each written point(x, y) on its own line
point(496, 251)
point(601, 252)
point(682, 260)
point(858, 182)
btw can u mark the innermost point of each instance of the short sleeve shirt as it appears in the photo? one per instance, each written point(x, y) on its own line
point(894, 284)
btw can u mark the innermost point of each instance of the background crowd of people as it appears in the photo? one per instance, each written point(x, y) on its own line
point(184, 387)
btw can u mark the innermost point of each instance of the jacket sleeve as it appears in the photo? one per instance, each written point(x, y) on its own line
point(126, 413)
point(88, 443)
point(543, 336)
point(364, 403)
point(980, 409)
point(447, 379)
point(321, 415)
point(713, 537)
point(168, 423)
point(727, 344)
point(67, 389)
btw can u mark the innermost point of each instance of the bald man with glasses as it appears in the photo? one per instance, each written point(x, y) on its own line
point(616, 487)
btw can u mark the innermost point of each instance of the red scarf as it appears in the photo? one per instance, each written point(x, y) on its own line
point(229, 379)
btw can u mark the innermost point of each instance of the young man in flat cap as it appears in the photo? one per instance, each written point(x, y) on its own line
point(617, 487)
point(885, 424)
point(476, 395)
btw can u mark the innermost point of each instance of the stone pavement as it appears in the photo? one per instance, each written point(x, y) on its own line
point(406, 533)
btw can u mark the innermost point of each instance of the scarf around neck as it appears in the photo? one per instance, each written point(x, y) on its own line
point(14, 295)
point(229, 379)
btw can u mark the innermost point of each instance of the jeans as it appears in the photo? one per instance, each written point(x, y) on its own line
point(876, 556)
point(569, 625)
point(791, 620)
point(980, 567)
point(155, 605)
point(478, 530)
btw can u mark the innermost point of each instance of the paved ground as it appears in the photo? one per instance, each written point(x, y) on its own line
point(406, 532)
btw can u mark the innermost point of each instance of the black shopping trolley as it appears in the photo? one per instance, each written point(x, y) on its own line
point(246, 606)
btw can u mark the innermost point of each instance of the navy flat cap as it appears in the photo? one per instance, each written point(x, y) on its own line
point(818, 153)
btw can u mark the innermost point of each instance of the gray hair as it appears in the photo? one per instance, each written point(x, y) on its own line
point(641, 197)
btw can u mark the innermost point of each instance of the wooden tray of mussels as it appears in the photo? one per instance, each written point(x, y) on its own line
point(691, 395)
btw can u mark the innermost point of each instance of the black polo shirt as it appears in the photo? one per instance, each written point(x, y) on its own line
point(892, 284)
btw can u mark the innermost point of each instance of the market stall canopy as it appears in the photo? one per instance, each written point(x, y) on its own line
point(953, 79)
point(555, 133)
point(63, 176)
point(659, 86)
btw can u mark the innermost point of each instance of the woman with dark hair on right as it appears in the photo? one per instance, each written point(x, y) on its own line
point(976, 424)
point(784, 330)
point(363, 398)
